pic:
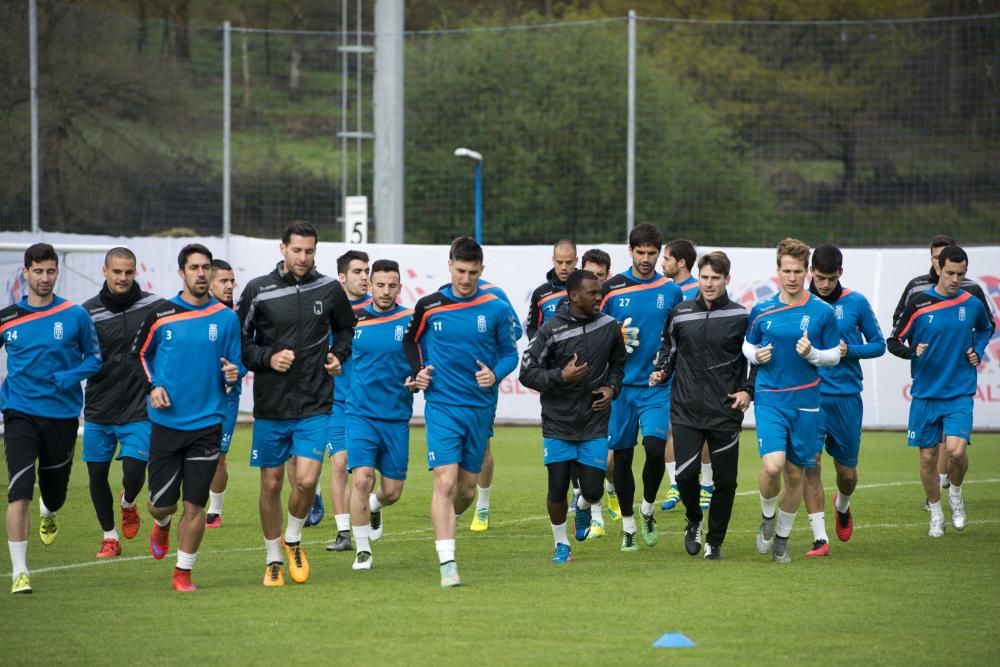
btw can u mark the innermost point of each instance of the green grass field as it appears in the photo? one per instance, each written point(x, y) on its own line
point(891, 595)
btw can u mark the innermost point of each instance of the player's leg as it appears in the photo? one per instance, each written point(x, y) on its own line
point(21, 447)
point(802, 452)
point(133, 440)
point(812, 483)
point(623, 427)
point(673, 493)
point(772, 441)
point(484, 485)
point(687, 448)
point(392, 460)
point(309, 438)
point(55, 462)
point(558, 480)
point(98, 451)
point(591, 459)
point(166, 467)
point(445, 437)
point(724, 449)
point(361, 480)
point(654, 420)
point(707, 478)
point(614, 508)
point(201, 459)
point(844, 445)
point(957, 428)
point(925, 429)
point(478, 427)
point(217, 492)
point(340, 494)
point(270, 451)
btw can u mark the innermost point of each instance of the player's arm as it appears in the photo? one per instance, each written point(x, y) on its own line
point(255, 357)
point(616, 364)
point(902, 332)
point(411, 344)
point(977, 291)
point(874, 345)
point(535, 374)
point(143, 351)
point(232, 345)
point(825, 351)
point(534, 317)
point(901, 306)
point(90, 355)
point(342, 322)
point(982, 334)
point(752, 340)
point(506, 347)
point(665, 361)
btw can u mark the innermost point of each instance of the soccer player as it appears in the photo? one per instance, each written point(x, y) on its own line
point(379, 408)
point(186, 349)
point(789, 335)
point(702, 343)
point(944, 331)
point(640, 300)
point(547, 296)
point(51, 348)
point(597, 262)
point(222, 288)
point(288, 316)
point(460, 344)
point(841, 409)
point(114, 412)
point(576, 361)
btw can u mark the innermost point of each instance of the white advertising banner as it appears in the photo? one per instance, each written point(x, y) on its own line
point(878, 274)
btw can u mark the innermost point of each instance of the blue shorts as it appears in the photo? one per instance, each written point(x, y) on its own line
point(932, 419)
point(645, 408)
point(336, 438)
point(593, 453)
point(840, 427)
point(457, 435)
point(277, 440)
point(380, 444)
point(789, 430)
point(229, 425)
point(101, 440)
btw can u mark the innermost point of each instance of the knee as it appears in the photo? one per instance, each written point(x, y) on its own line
point(391, 494)
point(591, 487)
point(339, 465)
point(270, 487)
point(444, 487)
point(656, 449)
point(771, 469)
point(362, 480)
point(465, 492)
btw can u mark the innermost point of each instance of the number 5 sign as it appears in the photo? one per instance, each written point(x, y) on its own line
point(356, 220)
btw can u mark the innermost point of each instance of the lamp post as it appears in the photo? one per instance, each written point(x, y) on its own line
point(478, 158)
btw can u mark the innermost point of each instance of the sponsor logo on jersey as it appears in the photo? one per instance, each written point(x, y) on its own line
point(57, 330)
point(213, 332)
point(839, 312)
point(804, 323)
point(481, 323)
point(961, 314)
point(317, 307)
point(398, 334)
point(660, 302)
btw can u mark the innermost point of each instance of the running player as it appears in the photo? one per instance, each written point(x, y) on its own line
point(379, 408)
point(460, 344)
point(945, 331)
point(841, 409)
point(115, 409)
point(640, 299)
point(223, 287)
point(576, 361)
point(185, 348)
point(51, 348)
point(547, 296)
point(288, 316)
point(789, 335)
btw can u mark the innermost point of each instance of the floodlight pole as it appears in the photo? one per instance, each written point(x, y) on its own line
point(630, 138)
point(33, 75)
point(478, 158)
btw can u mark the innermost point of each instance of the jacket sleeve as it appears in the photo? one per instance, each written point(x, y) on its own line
point(534, 319)
point(901, 331)
point(342, 322)
point(233, 346)
point(977, 291)
point(255, 357)
point(505, 335)
point(666, 358)
point(874, 345)
point(750, 384)
point(616, 362)
point(901, 306)
point(143, 351)
point(90, 353)
point(411, 344)
point(982, 334)
point(534, 372)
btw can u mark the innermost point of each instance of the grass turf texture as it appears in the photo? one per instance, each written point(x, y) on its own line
point(870, 601)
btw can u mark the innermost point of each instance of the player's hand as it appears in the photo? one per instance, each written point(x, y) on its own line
point(971, 355)
point(630, 335)
point(158, 398)
point(604, 402)
point(572, 373)
point(485, 377)
point(282, 361)
point(411, 384)
point(230, 371)
point(764, 354)
point(424, 377)
point(741, 400)
point(332, 365)
point(843, 349)
point(920, 349)
point(803, 346)
point(657, 377)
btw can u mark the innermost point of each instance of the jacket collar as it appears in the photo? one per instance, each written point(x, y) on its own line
point(288, 277)
point(832, 296)
point(721, 302)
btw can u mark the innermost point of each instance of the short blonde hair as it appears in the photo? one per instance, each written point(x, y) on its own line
point(793, 248)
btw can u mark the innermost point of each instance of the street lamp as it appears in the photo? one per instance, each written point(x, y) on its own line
point(478, 158)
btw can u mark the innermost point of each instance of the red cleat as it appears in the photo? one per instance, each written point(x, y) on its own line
point(213, 521)
point(159, 540)
point(110, 548)
point(845, 523)
point(130, 519)
point(182, 581)
point(820, 549)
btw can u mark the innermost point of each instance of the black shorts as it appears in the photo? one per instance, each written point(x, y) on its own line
point(182, 456)
point(50, 442)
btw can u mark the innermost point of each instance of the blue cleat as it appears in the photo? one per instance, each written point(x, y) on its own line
point(705, 497)
point(561, 554)
point(582, 524)
point(673, 496)
point(316, 512)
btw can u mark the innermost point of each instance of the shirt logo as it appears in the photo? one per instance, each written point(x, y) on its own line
point(398, 335)
point(839, 312)
point(213, 332)
point(317, 307)
point(659, 302)
point(481, 323)
point(961, 314)
point(804, 323)
point(57, 330)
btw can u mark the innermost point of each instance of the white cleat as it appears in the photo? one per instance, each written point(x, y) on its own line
point(937, 525)
point(957, 512)
point(363, 561)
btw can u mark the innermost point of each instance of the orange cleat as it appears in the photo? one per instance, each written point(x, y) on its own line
point(130, 519)
point(182, 581)
point(110, 548)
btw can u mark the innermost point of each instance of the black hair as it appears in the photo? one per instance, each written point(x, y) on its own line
point(465, 249)
point(645, 234)
point(298, 228)
point(683, 249)
point(575, 279)
point(952, 253)
point(192, 249)
point(828, 259)
point(385, 265)
point(221, 265)
point(40, 252)
point(344, 261)
point(941, 241)
point(121, 252)
point(718, 260)
point(597, 256)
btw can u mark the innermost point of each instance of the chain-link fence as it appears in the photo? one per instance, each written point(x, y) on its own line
point(872, 133)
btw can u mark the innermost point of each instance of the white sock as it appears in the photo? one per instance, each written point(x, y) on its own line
point(185, 561)
point(319, 487)
point(785, 523)
point(935, 509)
point(595, 512)
point(942, 478)
point(610, 486)
point(445, 549)
point(646, 507)
point(361, 538)
point(768, 505)
point(706, 475)
point(215, 502)
point(293, 529)
point(373, 503)
point(164, 522)
point(343, 522)
point(43, 510)
point(672, 472)
point(817, 522)
point(582, 504)
point(18, 557)
point(628, 524)
point(843, 502)
point(125, 504)
point(483, 497)
point(559, 533)
point(954, 492)
point(111, 534)
point(273, 547)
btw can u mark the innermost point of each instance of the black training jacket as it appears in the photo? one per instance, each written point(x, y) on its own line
point(117, 394)
point(550, 290)
point(924, 282)
point(566, 411)
point(702, 349)
point(277, 313)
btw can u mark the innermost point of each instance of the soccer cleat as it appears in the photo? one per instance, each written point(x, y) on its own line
point(274, 574)
point(213, 521)
point(713, 553)
point(957, 512)
point(182, 581)
point(21, 584)
point(705, 497)
point(692, 538)
point(449, 575)
point(765, 535)
point(647, 526)
point(596, 529)
point(562, 553)
point(673, 496)
point(298, 564)
point(342, 543)
point(363, 561)
point(159, 540)
point(480, 520)
point(375, 525)
point(781, 554)
point(927, 505)
point(48, 529)
point(130, 519)
point(844, 524)
point(628, 542)
point(110, 548)
point(316, 512)
point(937, 525)
point(614, 507)
point(820, 549)
point(581, 524)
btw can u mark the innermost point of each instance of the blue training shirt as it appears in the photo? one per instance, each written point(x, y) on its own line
point(689, 288)
point(490, 288)
point(50, 351)
point(381, 366)
point(860, 330)
point(180, 347)
point(342, 382)
point(788, 380)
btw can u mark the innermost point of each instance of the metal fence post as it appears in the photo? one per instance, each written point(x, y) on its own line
point(33, 65)
point(227, 93)
point(630, 151)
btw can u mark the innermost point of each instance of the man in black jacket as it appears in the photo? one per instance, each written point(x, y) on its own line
point(576, 361)
point(115, 409)
point(545, 299)
point(287, 317)
point(701, 349)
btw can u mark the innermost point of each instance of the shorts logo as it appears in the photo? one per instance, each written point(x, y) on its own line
point(481, 323)
point(213, 332)
point(57, 330)
point(961, 314)
point(317, 307)
point(804, 323)
point(660, 302)
point(839, 312)
point(398, 335)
